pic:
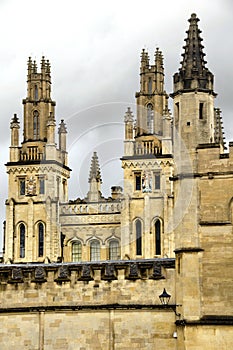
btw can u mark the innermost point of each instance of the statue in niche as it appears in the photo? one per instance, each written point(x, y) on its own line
point(146, 182)
point(31, 186)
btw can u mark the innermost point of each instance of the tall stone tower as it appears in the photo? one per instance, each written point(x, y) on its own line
point(195, 119)
point(38, 175)
point(148, 164)
point(197, 130)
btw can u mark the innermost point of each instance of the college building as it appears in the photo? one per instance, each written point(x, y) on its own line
point(151, 266)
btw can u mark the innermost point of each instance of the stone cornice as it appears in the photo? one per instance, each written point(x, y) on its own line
point(223, 320)
point(85, 271)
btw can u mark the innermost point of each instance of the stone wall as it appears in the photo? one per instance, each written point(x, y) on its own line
point(98, 305)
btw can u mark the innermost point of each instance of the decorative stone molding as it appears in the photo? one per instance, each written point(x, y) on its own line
point(84, 271)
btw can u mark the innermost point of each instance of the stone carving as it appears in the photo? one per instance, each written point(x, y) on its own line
point(17, 275)
point(63, 273)
point(86, 273)
point(157, 272)
point(40, 273)
point(31, 187)
point(109, 273)
point(146, 182)
point(133, 272)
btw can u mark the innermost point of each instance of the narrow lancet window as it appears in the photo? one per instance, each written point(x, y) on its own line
point(157, 238)
point(157, 181)
point(113, 250)
point(36, 129)
point(150, 118)
point(22, 240)
point(95, 250)
point(42, 186)
point(138, 181)
point(36, 93)
point(76, 251)
point(138, 237)
point(40, 239)
point(201, 109)
point(150, 86)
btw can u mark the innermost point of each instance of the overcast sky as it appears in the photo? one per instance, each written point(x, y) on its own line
point(94, 49)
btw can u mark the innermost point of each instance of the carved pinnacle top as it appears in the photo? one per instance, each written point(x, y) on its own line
point(193, 73)
point(62, 127)
point(95, 169)
point(128, 116)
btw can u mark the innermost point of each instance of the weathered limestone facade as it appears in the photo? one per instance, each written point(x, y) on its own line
point(87, 274)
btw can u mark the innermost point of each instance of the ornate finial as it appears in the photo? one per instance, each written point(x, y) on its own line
point(42, 65)
point(158, 60)
point(145, 60)
point(193, 73)
point(14, 122)
point(29, 65)
point(62, 127)
point(51, 120)
point(47, 67)
point(34, 67)
point(128, 116)
point(95, 169)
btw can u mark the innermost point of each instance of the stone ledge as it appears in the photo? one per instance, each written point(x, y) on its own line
point(85, 271)
point(208, 320)
point(94, 307)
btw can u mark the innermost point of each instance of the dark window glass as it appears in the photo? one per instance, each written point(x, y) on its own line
point(42, 186)
point(22, 240)
point(22, 187)
point(157, 181)
point(40, 239)
point(138, 237)
point(138, 182)
point(157, 237)
point(201, 108)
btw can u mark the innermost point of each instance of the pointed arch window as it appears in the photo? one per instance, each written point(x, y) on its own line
point(95, 250)
point(150, 86)
point(114, 250)
point(138, 237)
point(36, 93)
point(36, 126)
point(157, 237)
point(22, 231)
point(150, 118)
point(76, 251)
point(40, 239)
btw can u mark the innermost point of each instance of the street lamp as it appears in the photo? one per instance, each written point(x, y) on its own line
point(164, 297)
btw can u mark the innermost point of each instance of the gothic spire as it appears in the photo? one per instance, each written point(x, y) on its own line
point(193, 73)
point(159, 61)
point(95, 169)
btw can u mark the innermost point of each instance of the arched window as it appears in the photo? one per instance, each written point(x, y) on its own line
point(150, 86)
point(22, 240)
point(36, 93)
point(157, 237)
point(150, 118)
point(95, 250)
point(114, 250)
point(76, 251)
point(138, 237)
point(36, 129)
point(40, 239)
